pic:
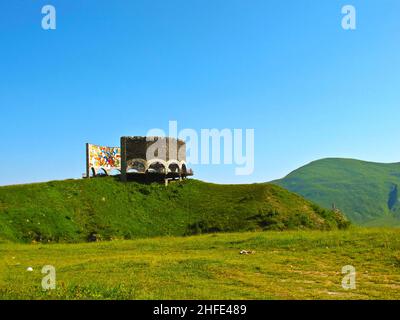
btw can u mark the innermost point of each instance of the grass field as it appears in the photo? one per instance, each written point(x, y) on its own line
point(285, 265)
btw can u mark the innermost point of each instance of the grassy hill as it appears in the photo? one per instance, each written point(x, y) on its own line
point(366, 192)
point(106, 209)
point(285, 265)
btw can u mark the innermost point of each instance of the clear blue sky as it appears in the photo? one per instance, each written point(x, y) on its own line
point(285, 68)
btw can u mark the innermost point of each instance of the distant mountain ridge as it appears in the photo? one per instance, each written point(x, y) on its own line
point(366, 192)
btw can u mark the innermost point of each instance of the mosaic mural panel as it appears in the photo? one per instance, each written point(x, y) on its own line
point(107, 158)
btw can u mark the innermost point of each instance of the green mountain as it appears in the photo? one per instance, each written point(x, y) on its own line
point(104, 208)
point(366, 192)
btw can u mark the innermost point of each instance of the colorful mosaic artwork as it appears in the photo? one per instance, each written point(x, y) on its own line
point(107, 158)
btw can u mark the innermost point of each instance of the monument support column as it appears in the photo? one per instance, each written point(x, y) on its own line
point(123, 160)
point(87, 162)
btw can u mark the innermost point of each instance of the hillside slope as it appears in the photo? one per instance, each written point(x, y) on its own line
point(366, 192)
point(104, 208)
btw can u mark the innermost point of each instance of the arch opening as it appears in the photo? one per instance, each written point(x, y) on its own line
point(102, 172)
point(156, 167)
point(184, 169)
point(114, 172)
point(174, 168)
point(92, 173)
point(136, 166)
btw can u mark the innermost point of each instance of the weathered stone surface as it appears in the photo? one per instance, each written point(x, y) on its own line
point(153, 154)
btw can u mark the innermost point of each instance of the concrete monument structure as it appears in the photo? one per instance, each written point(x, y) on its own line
point(154, 155)
point(149, 157)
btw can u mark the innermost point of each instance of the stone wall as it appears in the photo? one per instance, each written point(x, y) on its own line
point(143, 153)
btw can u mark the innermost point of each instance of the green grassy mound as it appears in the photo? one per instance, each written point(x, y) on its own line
point(366, 192)
point(106, 209)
